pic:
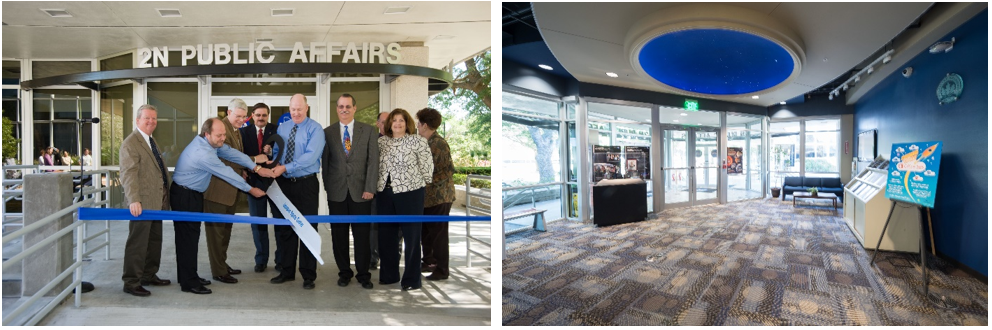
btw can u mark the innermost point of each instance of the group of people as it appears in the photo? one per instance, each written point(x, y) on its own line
point(405, 169)
point(50, 156)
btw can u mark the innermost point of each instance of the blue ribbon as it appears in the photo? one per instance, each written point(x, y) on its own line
point(89, 213)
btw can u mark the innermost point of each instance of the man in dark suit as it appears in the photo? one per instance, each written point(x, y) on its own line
point(253, 137)
point(143, 177)
point(350, 167)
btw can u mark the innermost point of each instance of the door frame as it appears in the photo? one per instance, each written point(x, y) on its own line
point(691, 166)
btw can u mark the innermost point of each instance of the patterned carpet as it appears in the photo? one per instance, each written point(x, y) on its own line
point(759, 262)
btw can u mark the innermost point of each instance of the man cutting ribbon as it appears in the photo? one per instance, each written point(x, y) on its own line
point(296, 178)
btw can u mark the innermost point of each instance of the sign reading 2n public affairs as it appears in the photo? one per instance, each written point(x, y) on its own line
point(913, 179)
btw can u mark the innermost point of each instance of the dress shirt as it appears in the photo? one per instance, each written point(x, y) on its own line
point(309, 147)
point(406, 161)
point(147, 140)
point(199, 161)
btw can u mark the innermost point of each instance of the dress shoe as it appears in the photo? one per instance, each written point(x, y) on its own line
point(137, 291)
point(204, 281)
point(374, 265)
point(408, 288)
point(367, 284)
point(387, 283)
point(259, 268)
point(226, 279)
point(87, 287)
point(308, 284)
point(436, 277)
point(344, 281)
point(427, 268)
point(156, 282)
point(198, 290)
point(233, 271)
point(280, 279)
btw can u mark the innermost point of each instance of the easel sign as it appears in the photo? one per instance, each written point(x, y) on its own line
point(913, 179)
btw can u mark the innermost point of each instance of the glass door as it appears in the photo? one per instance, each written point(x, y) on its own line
point(691, 159)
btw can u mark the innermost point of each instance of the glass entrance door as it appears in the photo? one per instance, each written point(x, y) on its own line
point(277, 105)
point(691, 159)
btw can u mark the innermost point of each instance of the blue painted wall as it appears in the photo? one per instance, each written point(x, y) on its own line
point(906, 110)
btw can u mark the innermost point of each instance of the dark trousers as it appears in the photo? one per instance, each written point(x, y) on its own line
point(258, 207)
point(360, 233)
point(435, 240)
point(412, 203)
point(142, 252)
point(187, 234)
point(303, 194)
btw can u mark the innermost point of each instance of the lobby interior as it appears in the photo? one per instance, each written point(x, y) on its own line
point(731, 253)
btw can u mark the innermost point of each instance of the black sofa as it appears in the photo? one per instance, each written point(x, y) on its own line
point(798, 183)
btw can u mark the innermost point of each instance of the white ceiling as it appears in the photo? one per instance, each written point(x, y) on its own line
point(588, 39)
point(99, 29)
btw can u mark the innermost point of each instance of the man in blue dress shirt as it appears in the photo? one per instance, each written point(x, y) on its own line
point(192, 176)
point(297, 178)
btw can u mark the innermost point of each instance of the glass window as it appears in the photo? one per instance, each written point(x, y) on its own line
point(743, 157)
point(42, 69)
point(822, 138)
point(531, 151)
point(11, 72)
point(366, 94)
point(177, 117)
point(240, 89)
point(116, 121)
point(529, 105)
point(59, 109)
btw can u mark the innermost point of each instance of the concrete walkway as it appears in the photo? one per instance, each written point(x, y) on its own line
point(463, 299)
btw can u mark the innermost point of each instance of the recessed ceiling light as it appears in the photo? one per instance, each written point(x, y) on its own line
point(782, 103)
point(545, 66)
point(683, 114)
point(276, 12)
point(56, 12)
point(444, 37)
point(675, 121)
point(612, 74)
point(397, 10)
point(754, 97)
point(700, 124)
point(260, 40)
point(169, 12)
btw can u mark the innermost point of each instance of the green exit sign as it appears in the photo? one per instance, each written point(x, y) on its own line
point(691, 105)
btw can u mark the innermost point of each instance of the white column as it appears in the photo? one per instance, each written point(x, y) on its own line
point(410, 92)
point(585, 169)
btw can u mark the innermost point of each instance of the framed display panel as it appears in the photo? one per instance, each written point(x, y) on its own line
point(867, 147)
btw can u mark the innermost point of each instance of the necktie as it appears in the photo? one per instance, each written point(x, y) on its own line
point(347, 141)
point(259, 141)
point(158, 158)
point(292, 145)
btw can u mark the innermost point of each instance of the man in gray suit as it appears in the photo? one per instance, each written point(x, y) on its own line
point(143, 177)
point(350, 165)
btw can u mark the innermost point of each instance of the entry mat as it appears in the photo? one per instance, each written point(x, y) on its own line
point(760, 262)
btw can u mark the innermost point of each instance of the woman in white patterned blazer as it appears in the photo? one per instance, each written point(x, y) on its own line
point(405, 168)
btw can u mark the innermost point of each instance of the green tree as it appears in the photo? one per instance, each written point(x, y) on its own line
point(471, 90)
point(9, 142)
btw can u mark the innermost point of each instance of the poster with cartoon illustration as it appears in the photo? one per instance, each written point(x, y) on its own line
point(913, 179)
point(735, 157)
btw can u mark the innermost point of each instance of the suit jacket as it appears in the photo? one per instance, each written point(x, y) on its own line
point(249, 139)
point(357, 172)
point(219, 191)
point(140, 175)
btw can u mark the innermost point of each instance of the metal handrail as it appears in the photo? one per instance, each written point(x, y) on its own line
point(92, 196)
point(468, 211)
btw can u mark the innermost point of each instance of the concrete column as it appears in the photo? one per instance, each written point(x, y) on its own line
point(410, 92)
point(45, 194)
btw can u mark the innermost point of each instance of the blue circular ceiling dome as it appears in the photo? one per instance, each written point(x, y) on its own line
point(716, 61)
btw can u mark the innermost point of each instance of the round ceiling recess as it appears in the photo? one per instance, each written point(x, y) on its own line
point(718, 51)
